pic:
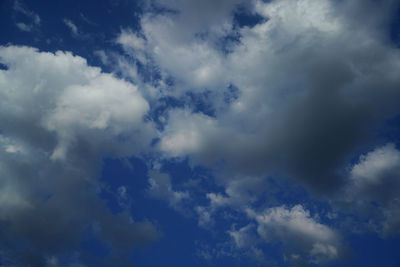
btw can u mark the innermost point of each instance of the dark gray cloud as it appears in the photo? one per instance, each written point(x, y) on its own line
point(314, 80)
point(312, 88)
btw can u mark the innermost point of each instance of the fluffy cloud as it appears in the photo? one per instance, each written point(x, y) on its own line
point(302, 236)
point(60, 94)
point(59, 117)
point(373, 189)
point(301, 107)
point(295, 96)
point(187, 133)
point(377, 174)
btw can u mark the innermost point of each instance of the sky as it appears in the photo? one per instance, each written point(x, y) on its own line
point(200, 133)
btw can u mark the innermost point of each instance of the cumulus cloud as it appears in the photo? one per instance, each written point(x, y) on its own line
point(302, 236)
point(301, 108)
point(374, 183)
point(379, 171)
point(186, 133)
point(295, 96)
point(59, 117)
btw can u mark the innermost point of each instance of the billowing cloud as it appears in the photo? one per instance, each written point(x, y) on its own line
point(59, 117)
point(308, 90)
point(304, 238)
point(293, 96)
point(373, 188)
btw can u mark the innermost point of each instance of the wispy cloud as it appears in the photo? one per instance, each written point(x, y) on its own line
point(72, 27)
point(24, 27)
point(19, 7)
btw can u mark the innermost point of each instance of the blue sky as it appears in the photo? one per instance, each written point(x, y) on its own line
point(199, 133)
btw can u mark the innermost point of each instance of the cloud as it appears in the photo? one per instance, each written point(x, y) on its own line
point(301, 108)
point(301, 235)
point(72, 27)
point(59, 117)
point(129, 39)
point(20, 8)
point(244, 237)
point(295, 96)
point(196, 17)
point(372, 191)
point(205, 219)
point(379, 171)
point(161, 188)
point(24, 27)
point(240, 193)
point(186, 132)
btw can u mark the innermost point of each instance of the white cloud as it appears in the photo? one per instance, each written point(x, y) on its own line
point(376, 166)
point(299, 16)
point(77, 102)
point(186, 132)
point(129, 39)
point(60, 117)
point(199, 65)
point(299, 233)
point(375, 178)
